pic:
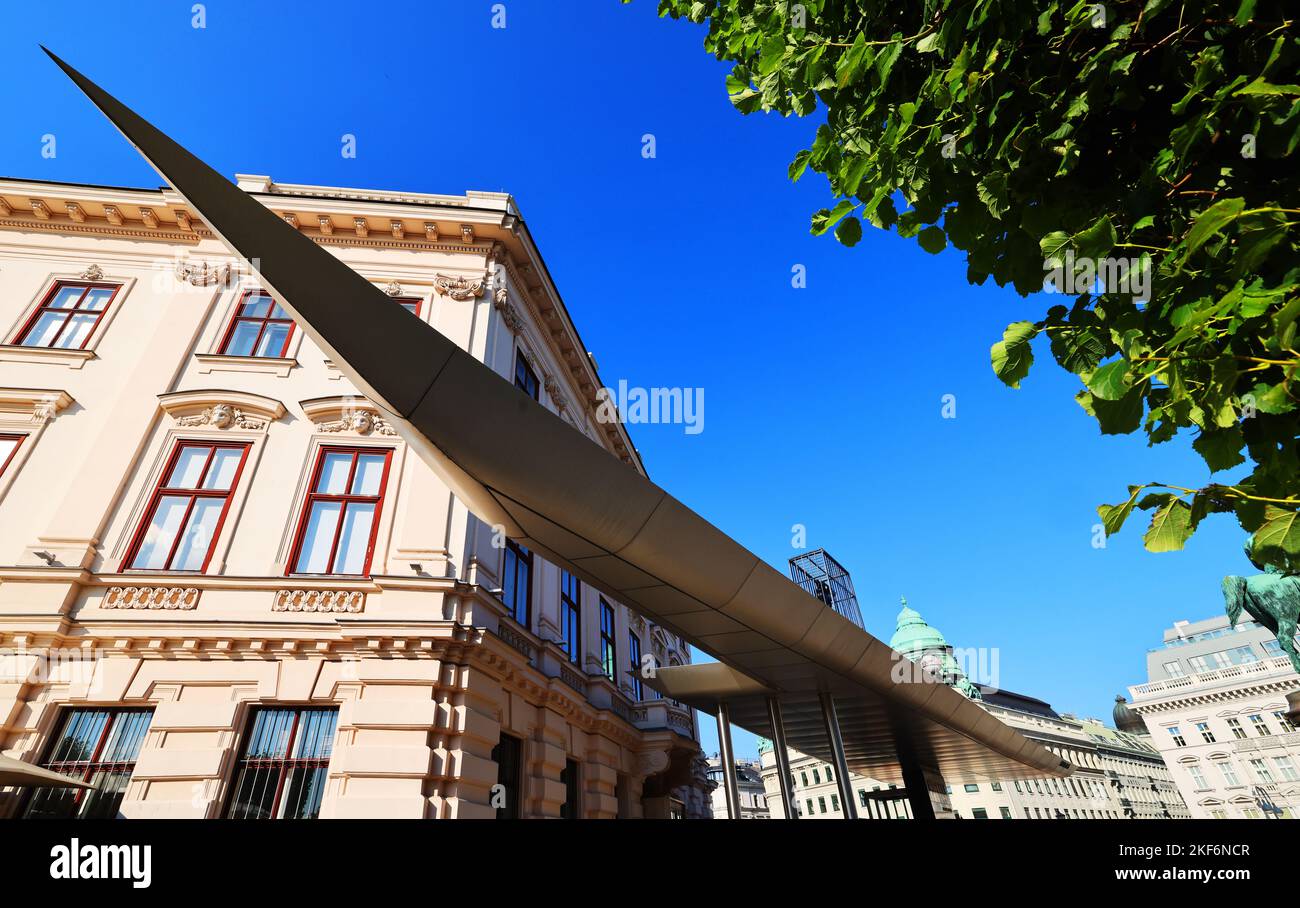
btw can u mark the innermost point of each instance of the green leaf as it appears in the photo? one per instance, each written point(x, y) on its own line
point(1209, 222)
point(928, 43)
point(824, 220)
point(849, 231)
point(1118, 417)
point(1260, 87)
point(1111, 381)
point(1271, 399)
point(1012, 355)
point(1170, 528)
point(1097, 240)
point(1221, 449)
point(1114, 515)
point(932, 240)
point(1277, 541)
point(852, 62)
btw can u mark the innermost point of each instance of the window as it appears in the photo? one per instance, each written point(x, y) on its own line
point(187, 509)
point(972, 788)
point(260, 328)
point(1177, 735)
point(1198, 777)
point(862, 796)
point(67, 316)
point(821, 804)
point(829, 777)
point(1283, 722)
point(1261, 771)
point(517, 582)
point(817, 776)
point(1237, 730)
point(835, 803)
point(281, 772)
point(508, 755)
point(634, 659)
point(1174, 669)
point(1260, 728)
point(804, 776)
point(569, 779)
point(979, 813)
point(1287, 768)
point(1006, 812)
point(8, 448)
point(410, 303)
point(525, 377)
point(1238, 655)
point(997, 786)
point(1218, 814)
point(571, 616)
point(98, 746)
point(607, 662)
point(341, 514)
point(810, 807)
point(1206, 735)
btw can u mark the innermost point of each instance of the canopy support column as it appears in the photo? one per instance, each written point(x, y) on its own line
point(920, 782)
point(728, 762)
point(782, 752)
point(837, 749)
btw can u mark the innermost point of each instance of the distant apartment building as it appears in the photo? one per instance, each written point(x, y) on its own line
point(228, 588)
point(1215, 704)
point(749, 786)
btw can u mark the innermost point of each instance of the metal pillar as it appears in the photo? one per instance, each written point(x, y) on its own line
point(779, 748)
point(918, 791)
point(837, 749)
point(728, 762)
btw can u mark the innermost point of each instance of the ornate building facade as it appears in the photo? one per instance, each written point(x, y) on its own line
point(226, 586)
point(1215, 704)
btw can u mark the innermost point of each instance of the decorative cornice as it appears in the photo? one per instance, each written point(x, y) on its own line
point(220, 409)
point(152, 597)
point(458, 287)
point(319, 601)
point(34, 405)
point(346, 413)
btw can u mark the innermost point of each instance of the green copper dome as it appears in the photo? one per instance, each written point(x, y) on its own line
point(912, 636)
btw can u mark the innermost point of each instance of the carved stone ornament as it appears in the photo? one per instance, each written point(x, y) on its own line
point(201, 275)
point(93, 273)
point(393, 289)
point(362, 422)
point(459, 288)
point(222, 416)
point(152, 597)
point(508, 314)
point(319, 601)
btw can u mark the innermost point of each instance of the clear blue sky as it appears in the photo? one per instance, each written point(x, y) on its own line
point(822, 405)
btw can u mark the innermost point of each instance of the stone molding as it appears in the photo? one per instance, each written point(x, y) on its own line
point(346, 413)
point(152, 597)
point(218, 409)
point(319, 601)
point(459, 287)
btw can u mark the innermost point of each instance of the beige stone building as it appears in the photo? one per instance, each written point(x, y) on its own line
point(1215, 704)
point(227, 588)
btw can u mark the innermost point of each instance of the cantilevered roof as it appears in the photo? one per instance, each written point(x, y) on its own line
point(16, 772)
point(522, 467)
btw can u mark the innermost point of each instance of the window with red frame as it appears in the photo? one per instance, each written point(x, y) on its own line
point(188, 508)
point(410, 303)
point(67, 316)
point(94, 745)
point(282, 772)
point(260, 328)
point(8, 448)
point(336, 534)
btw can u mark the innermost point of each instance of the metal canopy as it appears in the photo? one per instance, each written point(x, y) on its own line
point(16, 772)
point(580, 507)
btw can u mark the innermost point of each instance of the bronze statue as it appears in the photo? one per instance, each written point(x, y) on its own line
point(1272, 598)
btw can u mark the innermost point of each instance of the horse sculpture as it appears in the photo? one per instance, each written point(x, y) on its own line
point(1271, 598)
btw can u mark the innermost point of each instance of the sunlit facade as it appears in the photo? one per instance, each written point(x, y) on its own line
point(227, 586)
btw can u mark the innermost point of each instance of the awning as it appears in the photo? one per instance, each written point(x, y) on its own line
point(518, 465)
point(16, 772)
point(971, 745)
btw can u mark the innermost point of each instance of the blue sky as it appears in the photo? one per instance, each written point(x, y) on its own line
point(822, 405)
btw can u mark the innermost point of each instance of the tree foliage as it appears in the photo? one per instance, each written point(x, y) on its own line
point(1075, 139)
